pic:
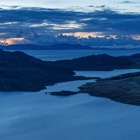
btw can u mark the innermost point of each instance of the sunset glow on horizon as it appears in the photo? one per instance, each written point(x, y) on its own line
point(11, 41)
point(136, 37)
point(84, 34)
point(43, 22)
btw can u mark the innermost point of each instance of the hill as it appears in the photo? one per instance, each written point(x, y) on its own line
point(21, 72)
point(48, 47)
point(102, 62)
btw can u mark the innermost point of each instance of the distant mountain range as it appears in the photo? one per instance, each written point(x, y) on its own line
point(63, 46)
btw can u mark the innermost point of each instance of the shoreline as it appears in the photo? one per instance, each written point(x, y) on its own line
point(123, 88)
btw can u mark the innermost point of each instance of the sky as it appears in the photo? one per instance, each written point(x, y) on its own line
point(74, 17)
point(127, 5)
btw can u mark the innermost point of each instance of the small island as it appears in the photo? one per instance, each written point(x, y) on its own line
point(63, 93)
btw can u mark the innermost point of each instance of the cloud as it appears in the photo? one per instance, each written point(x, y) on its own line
point(127, 2)
point(11, 41)
point(55, 21)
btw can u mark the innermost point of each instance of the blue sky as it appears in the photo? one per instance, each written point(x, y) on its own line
point(123, 5)
point(93, 17)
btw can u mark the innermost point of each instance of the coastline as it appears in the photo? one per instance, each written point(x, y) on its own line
point(123, 88)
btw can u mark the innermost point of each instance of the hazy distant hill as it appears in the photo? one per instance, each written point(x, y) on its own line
point(49, 47)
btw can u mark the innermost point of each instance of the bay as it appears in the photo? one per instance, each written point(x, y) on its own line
point(53, 55)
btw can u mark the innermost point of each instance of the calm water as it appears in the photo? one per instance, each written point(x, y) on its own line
point(39, 116)
point(53, 55)
point(105, 74)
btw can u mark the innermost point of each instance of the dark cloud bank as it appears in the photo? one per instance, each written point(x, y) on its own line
point(56, 21)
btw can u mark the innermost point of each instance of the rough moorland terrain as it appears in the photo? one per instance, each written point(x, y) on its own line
point(124, 88)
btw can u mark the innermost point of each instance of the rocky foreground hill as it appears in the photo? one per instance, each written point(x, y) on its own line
point(124, 88)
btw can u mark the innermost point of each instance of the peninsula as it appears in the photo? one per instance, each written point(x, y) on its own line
point(21, 72)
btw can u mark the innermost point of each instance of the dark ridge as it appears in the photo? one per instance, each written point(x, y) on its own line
point(21, 72)
point(102, 62)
